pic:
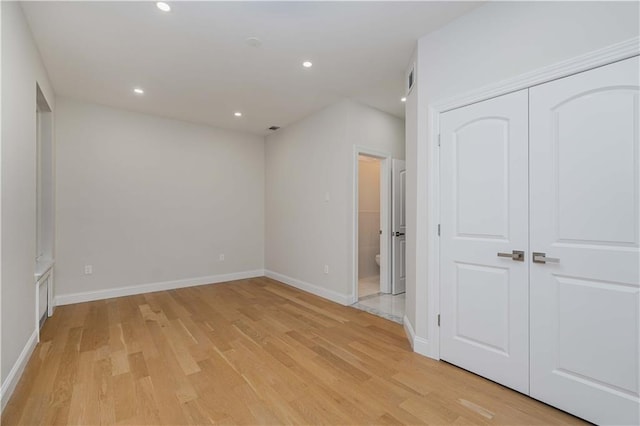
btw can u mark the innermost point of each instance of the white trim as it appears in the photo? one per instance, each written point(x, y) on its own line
point(385, 219)
point(67, 299)
point(433, 241)
point(40, 278)
point(408, 330)
point(343, 299)
point(10, 383)
point(616, 52)
point(50, 298)
point(419, 345)
point(613, 53)
point(43, 267)
point(423, 347)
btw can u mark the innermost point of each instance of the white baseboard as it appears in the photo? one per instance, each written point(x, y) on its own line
point(422, 347)
point(343, 299)
point(67, 299)
point(15, 374)
point(419, 344)
point(408, 329)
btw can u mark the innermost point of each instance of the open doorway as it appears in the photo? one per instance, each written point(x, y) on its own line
point(44, 210)
point(378, 284)
point(369, 225)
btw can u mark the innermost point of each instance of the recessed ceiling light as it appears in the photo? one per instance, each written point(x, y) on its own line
point(138, 91)
point(307, 64)
point(163, 6)
point(237, 114)
point(403, 99)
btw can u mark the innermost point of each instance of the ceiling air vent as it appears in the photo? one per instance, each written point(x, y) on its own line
point(411, 78)
point(274, 127)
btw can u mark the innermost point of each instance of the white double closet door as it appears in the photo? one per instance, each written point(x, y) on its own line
point(540, 266)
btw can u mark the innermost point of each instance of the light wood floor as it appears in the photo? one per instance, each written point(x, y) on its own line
point(248, 352)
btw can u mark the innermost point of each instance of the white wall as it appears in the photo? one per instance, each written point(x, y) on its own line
point(494, 42)
point(22, 69)
point(368, 217)
point(45, 186)
point(414, 229)
point(147, 200)
point(304, 162)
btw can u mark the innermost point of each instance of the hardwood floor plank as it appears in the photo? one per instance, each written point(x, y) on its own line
point(146, 404)
point(138, 365)
point(247, 352)
point(124, 396)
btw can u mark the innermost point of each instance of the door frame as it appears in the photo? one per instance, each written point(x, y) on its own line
point(385, 218)
point(394, 197)
point(44, 266)
point(430, 346)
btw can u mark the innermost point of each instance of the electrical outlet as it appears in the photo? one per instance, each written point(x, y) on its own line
point(221, 257)
point(88, 269)
point(326, 269)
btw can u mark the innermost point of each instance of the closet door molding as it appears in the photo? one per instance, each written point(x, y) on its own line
point(573, 150)
point(607, 55)
point(626, 49)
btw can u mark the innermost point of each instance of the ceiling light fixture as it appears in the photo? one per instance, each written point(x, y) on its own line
point(163, 6)
point(307, 64)
point(138, 91)
point(403, 99)
point(237, 114)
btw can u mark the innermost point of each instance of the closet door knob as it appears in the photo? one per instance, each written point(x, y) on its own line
point(517, 255)
point(542, 258)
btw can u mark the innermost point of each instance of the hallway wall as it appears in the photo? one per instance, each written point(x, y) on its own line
point(22, 69)
point(309, 194)
point(148, 200)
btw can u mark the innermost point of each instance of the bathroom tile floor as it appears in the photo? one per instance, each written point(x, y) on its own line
point(383, 305)
point(368, 286)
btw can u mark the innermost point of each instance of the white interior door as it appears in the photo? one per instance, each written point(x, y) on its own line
point(398, 217)
point(585, 337)
point(484, 218)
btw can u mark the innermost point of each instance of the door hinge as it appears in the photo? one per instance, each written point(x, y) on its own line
point(438, 320)
point(438, 230)
point(438, 139)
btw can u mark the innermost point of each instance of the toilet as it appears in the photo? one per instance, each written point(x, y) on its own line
point(378, 259)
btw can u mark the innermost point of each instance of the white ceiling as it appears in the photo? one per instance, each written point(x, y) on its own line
point(194, 62)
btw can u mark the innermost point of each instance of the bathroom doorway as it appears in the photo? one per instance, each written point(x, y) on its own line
point(369, 225)
point(378, 247)
point(371, 243)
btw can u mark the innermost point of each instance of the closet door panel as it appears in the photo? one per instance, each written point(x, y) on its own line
point(585, 300)
point(484, 296)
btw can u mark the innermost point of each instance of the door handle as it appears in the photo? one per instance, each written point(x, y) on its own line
point(542, 258)
point(399, 234)
point(517, 255)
